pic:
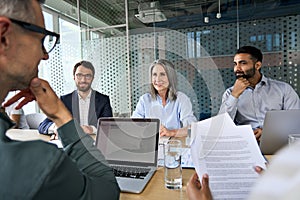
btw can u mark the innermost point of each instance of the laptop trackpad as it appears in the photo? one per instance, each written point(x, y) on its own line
point(127, 185)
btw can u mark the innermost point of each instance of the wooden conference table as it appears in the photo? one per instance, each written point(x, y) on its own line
point(155, 188)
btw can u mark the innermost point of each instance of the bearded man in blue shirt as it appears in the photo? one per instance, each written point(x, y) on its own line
point(253, 94)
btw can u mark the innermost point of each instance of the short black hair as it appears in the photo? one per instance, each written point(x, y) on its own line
point(86, 64)
point(255, 53)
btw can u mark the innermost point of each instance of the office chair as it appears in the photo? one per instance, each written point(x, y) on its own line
point(34, 119)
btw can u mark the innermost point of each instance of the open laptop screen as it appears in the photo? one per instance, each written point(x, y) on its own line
point(128, 140)
point(278, 124)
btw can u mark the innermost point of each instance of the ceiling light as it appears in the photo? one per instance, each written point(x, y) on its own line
point(218, 16)
point(206, 19)
point(150, 17)
point(150, 12)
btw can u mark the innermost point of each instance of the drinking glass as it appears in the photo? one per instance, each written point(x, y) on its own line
point(172, 164)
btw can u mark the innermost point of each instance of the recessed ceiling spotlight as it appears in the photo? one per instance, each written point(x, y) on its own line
point(206, 19)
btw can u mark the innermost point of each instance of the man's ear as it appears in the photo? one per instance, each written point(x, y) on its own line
point(258, 65)
point(5, 25)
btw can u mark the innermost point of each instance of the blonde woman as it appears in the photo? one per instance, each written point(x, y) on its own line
point(172, 107)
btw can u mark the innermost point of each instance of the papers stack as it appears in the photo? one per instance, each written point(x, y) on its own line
point(228, 154)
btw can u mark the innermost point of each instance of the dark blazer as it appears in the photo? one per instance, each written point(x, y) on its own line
point(102, 105)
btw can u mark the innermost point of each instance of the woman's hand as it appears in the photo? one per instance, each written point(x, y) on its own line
point(163, 131)
point(182, 132)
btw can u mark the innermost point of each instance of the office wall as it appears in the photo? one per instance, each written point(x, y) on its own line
point(202, 56)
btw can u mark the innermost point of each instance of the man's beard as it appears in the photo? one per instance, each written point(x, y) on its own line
point(84, 89)
point(247, 74)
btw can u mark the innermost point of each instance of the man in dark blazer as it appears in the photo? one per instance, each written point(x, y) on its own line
point(85, 104)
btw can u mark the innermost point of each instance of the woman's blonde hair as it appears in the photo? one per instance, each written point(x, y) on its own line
point(171, 74)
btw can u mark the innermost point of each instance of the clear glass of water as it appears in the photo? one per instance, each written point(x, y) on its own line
point(172, 164)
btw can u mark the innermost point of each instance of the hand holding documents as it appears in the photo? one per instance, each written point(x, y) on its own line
point(228, 154)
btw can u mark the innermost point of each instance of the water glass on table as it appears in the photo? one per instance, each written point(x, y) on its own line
point(172, 164)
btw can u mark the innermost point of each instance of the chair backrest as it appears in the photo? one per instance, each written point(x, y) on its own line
point(34, 119)
point(204, 116)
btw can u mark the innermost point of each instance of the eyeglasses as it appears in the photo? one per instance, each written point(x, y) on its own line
point(86, 76)
point(50, 39)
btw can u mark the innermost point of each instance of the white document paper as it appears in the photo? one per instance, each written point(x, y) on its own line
point(228, 154)
point(57, 143)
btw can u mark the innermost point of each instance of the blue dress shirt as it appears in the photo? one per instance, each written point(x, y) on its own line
point(174, 115)
point(252, 104)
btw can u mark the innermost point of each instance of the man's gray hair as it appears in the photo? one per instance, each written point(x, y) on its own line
point(172, 77)
point(18, 9)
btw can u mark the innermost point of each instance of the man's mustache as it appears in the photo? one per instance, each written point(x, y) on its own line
point(241, 76)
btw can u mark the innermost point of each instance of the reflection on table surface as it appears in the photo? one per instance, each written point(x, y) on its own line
point(156, 188)
point(26, 134)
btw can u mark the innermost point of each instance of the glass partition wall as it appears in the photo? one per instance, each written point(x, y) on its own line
point(123, 37)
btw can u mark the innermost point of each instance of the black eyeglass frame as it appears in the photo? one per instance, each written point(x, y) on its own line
point(86, 76)
point(37, 29)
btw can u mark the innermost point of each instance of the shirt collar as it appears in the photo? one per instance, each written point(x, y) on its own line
point(263, 81)
point(87, 97)
point(160, 99)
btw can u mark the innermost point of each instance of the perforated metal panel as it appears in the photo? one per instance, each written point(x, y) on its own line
point(52, 70)
point(203, 63)
point(109, 58)
point(217, 46)
point(198, 83)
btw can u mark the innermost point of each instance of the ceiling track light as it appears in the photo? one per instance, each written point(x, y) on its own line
point(218, 16)
point(206, 19)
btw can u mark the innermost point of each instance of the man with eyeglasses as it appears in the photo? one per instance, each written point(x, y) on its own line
point(36, 169)
point(253, 94)
point(85, 104)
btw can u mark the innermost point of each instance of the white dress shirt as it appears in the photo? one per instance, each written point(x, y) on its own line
point(84, 106)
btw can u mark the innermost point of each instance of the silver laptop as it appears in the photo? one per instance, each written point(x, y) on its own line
point(131, 148)
point(278, 124)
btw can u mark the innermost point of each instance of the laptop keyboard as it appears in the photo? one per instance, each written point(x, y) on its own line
point(130, 172)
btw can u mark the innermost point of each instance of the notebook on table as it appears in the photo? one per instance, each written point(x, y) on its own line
point(278, 124)
point(130, 146)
